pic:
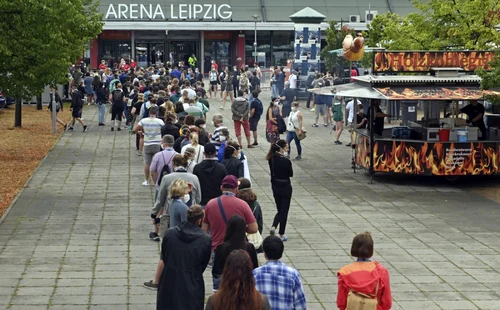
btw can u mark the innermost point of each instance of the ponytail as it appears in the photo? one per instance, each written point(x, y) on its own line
point(275, 148)
point(193, 137)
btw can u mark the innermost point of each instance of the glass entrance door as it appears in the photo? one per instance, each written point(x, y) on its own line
point(150, 53)
point(179, 51)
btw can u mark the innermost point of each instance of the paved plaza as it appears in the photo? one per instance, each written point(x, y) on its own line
point(77, 236)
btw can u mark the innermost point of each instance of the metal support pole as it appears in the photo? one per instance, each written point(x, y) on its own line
point(202, 52)
point(18, 114)
point(54, 114)
point(255, 40)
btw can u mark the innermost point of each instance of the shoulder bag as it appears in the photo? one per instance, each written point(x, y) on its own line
point(303, 132)
point(255, 239)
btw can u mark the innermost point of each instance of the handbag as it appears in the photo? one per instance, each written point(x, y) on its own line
point(281, 124)
point(303, 132)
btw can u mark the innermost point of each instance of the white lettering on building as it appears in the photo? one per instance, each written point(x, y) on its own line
point(177, 11)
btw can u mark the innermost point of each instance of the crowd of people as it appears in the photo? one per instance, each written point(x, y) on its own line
point(205, 211)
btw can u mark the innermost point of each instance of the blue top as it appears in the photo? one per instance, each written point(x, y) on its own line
point(178, 212)
point(220, 153)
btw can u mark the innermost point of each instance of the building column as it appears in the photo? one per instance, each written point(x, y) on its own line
point(201, 59)
point(132, 45)
point(241, 49)
point(94, 51)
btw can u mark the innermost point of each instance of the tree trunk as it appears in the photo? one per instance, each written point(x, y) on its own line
point(39, 103)
point(18, 114)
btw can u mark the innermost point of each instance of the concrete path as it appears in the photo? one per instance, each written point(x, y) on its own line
point(77, 237)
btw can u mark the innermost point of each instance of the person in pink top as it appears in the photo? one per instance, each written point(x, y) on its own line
point(219, 210)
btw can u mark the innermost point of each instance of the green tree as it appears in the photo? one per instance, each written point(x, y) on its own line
point(491, 79)
point(39, 40)
point(440, 24)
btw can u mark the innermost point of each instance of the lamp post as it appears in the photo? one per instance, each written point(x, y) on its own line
point(255, 39)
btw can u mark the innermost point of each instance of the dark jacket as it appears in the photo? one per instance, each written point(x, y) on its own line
point(210, 174)
point(223, 251)
point(281, 170)
point(257, 212)
point(170, 129)
point(203, 137)
point(185, 250)
point(77, 100)
point(234, 166)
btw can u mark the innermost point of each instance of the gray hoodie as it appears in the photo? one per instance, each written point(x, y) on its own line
point(240, 109)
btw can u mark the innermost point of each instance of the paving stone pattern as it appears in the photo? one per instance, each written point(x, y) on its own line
point(77, 237)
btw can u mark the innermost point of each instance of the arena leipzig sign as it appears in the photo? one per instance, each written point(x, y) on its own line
point(174, 11)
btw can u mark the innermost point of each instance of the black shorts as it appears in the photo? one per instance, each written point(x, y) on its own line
point(223, 86)
point(213, 83)
point(116, 114)
point(253, 124)
point(77, 112)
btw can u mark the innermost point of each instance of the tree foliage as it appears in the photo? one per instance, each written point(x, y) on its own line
point(491, 79)
point(440, 25)
point(40, 39)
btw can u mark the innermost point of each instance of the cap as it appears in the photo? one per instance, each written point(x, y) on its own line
point(210, 149)
point(230, 181)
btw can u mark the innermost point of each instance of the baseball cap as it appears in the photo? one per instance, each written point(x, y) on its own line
point(230, 181)
point(210, 149)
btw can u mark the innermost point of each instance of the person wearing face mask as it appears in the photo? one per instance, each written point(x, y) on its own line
point(179, 194)
point(272, 114)
point(224, 138)
point(281, 172)
point(217, 122)
point(203, 137)
point(163, 202)
point(232, 161)
point(294, 128)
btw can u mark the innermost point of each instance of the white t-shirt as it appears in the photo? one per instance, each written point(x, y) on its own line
point(350, 107)
point(293, 80)
point(191, 92)
point(151, 126)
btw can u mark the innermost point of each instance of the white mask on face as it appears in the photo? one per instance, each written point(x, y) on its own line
point(275, 103)
point(186, 198)
point(294, 109)
point(222, 138)
point(203, 126)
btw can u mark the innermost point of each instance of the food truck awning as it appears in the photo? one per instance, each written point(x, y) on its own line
point(351, 90)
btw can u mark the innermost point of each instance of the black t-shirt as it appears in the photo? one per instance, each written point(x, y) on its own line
point(255, 105)
point(289, 94)
point(473, 111)
point(359, 120)
point(138, 106)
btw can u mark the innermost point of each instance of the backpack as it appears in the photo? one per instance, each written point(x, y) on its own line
point(118, 97)
point(165, 170)
point(146, 110)
point(360, 301)
point(259, 109)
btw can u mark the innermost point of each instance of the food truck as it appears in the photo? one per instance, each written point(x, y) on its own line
point(439, 141)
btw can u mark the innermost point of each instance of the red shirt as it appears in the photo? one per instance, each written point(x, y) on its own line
point(353, 74)
point(231, 205)
point(102, 66)
point(363, 277)
point(216, 66)
point(133, 65)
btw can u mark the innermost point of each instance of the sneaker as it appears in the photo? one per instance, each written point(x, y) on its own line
point(284, 238)
point(70, 128)
point(154, 236)
point(272, 232)
point(112, 128)
point(315, 125)
point(101, 124)
point(145, 183)
point(312, 110)
point(255, 144)
point(339, 142)
point(150, 285)
point(348, 144)
point(297, 158)
point(85, 128)
point(139, 153)
point(119, 129)
point(326, 125)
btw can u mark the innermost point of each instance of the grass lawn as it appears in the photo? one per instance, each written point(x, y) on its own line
point(22, 149)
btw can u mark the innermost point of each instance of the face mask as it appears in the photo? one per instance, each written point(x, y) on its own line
point(294, 109)
point(275, 103)
point(186, 198)
point(222, 138)
point(203, 126)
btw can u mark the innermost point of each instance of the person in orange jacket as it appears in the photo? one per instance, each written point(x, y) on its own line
point(364, 276)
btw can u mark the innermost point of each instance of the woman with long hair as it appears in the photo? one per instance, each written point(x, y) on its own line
point(246, 193)
point(199, 149)
point(281, 172)
point(189, 153)
point(213, 75)
point(234, 239)
point(272, 114)
point(237, 288)
point(232, 161)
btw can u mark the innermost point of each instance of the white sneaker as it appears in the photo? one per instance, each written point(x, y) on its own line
point(145, 183)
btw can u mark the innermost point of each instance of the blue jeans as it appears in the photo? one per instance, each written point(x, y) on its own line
point(102, 111)
point(292, 135)
point(275, 91)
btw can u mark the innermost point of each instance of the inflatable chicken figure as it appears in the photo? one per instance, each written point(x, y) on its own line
point(354, 49)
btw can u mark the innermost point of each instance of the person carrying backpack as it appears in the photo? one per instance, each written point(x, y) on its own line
point(256, 110)
point(117, 107)
point(363, 284)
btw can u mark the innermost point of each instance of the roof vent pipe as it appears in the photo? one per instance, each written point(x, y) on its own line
point(263, 9)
